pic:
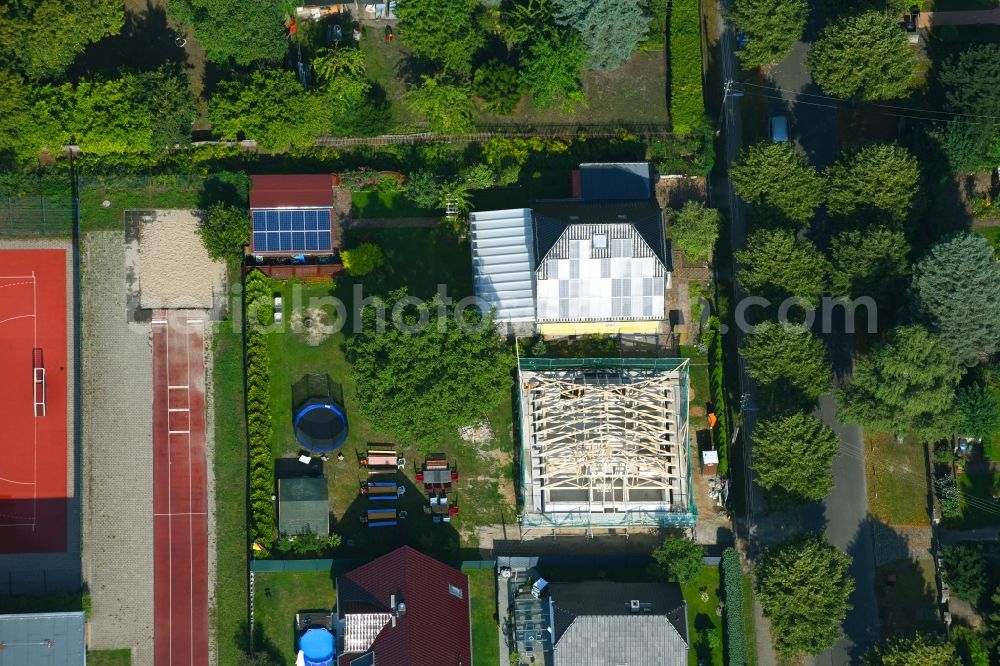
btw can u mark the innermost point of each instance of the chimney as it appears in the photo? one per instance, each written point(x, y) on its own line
point(634, 605)
point(392, 605)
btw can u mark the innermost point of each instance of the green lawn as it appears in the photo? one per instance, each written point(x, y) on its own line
point(991, 444)
point(704, 625)
point(94, 216)
point(386, 204)
point(908, 603)
point(897, 490)
point(274, 615)
point(700, 392)
point(749, 628)
point(230, 494)
point(485, 636)
point(45, 603)
point(992, 234)
point(109, 658)
point(982, 486)
point(422, 259)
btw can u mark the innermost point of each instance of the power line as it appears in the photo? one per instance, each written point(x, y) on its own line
point(797, 93)
point(884, 113)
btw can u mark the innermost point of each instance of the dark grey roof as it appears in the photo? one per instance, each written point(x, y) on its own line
point(303, 506)
point(593, 623)
point(616, 182)
point(551, 218)
point(55, 639)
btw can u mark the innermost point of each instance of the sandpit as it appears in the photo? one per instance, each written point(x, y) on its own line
point(171, 265)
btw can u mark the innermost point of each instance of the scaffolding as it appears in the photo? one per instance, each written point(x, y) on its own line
point(605, 444)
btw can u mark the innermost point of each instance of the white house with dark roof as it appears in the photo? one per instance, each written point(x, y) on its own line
point(595, 263)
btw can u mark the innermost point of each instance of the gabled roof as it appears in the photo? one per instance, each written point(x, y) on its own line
point(552, 218)
point(435, 628)
point(43, 638)
point(622, 181)
point(593, 623)
point(291, 191)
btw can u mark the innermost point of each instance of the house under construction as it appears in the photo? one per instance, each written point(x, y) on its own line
point(605, 444)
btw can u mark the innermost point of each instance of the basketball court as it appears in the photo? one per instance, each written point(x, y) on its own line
point(33, 400)
point(180, 501)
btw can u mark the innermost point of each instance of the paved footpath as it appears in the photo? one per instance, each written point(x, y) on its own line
point(118, 456)
point(971, 17)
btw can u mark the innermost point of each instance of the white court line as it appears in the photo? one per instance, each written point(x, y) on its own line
point(4, 321)
point(181, 513)
point(20, 483)
point(177, 386)
point(31, 525)
point(18, 277)
point(178, 409)
point(187, 352)
point(170, 526)
point(178, 432)
point(14, 284)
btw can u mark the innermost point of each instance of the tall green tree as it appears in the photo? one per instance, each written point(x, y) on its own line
point(15, 118)
point(957, 288)
point(695, 229)
point(775, 264)
point(868, 262)
point(792, 456)
point(225, 232)
point(415, 382)
point(234, 31)
point(551, 70)
point(776, 175)
point(447, 106)
point(883, 178)
point(864, 56)
point(447, 31)
point(166, 93)
point(803, 586)
point(907, 383)
point(498, 85)
point(679, 558)
point(270, 108)
point(977, 411)
point(913, 650)
point(42, 38)
point(970, 83)
point(771, 26)
point(966, 571)
point(611, 29)
point(789, 362)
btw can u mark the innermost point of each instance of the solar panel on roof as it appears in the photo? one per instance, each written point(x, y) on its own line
point(306, 230)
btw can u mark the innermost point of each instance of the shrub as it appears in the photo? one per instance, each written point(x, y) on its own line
point(423, 189)
point(687, 103)
point(479, 176)
point(499, 86)
point(732, 586)
point(947, 489)
point(966, 570)
point(363, 259)
point(680, 558)
point(695, 229)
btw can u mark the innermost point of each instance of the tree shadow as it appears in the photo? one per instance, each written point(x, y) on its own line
point(229, 188)
point(905, 590)
point(146, 42)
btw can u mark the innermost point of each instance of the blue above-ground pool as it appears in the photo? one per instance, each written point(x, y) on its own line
point(320, 425)
point(318, 647)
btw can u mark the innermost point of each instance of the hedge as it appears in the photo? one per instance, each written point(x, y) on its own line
point(712, 338)
point(687, 102)
point(259, 303)
point(732, 587)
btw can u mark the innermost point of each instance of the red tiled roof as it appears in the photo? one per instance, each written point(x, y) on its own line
point(291, 190)
point(434, 630)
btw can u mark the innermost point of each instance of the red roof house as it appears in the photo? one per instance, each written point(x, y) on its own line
point(405, 609)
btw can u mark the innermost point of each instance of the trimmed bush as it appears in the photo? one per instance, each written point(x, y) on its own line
point(687, 102)
point(712, 337)
point(260, 311)
point(732, 587)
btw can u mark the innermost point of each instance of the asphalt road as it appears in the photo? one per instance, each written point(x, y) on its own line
point(844, 514)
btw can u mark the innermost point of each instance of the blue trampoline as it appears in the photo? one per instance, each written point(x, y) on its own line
point(320, 425)
point(318, 647)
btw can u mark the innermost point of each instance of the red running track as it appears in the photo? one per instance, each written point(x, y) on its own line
point(33, 447)
point(180, 518)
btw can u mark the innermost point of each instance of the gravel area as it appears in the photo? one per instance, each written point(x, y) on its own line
point(38, 573)
point(167, 257)
point(118, 455)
